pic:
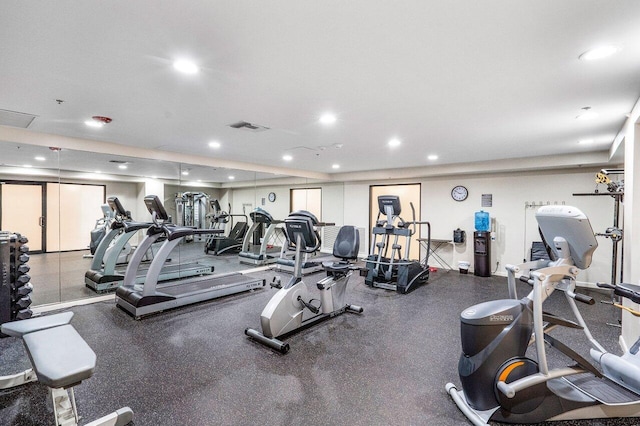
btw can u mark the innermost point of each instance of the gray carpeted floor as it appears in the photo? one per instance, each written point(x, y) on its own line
point(195, 366)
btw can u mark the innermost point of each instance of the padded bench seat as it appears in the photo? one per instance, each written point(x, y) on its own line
point(60, 357)
point(20, 328)
point(333, 266)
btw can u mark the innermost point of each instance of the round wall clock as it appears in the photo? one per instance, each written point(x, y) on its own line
point(272, 196)
point(459, 193)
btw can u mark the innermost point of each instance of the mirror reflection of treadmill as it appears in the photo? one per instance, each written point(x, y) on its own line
point(259, 246)
point(152, 296)
point(105, 274)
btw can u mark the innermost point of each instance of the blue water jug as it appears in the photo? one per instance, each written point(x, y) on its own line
point(482, 221)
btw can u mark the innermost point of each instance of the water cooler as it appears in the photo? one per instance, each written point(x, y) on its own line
point(482, 245)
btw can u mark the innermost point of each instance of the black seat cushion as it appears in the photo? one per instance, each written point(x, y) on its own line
point(347, 243)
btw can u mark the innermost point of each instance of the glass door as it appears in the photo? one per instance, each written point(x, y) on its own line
point(23, 211)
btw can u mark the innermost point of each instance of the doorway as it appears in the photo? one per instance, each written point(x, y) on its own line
point(22, 209)
point(309, 199)
point(409, 195)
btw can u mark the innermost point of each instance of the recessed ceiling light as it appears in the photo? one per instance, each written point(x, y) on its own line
point(186, 67)
point(185, 173)
point(599, 53)
point(335, 166)
point(94, 123)
point(27, 165)
point(39, 158)
point(585, 141)
point(432, 157)
point(98, 121)
point(328, 118)
point(394, 142)
point(214, 144)
point(232, 177)
point(287, 157)
point(587, 114)
point(122, 166)
point(154, 177)
point(97, 172)
point(199, 180)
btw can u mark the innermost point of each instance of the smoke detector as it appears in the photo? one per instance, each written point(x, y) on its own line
point(245, 125)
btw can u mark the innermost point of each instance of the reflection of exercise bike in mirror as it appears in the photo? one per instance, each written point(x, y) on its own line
point(500, 383)
point(284, 313)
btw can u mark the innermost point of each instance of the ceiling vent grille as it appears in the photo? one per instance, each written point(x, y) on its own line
point(15, 119)
point(244, 125)
point(119, 162)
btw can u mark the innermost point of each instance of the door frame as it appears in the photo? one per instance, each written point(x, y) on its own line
point(372, 203)
point(43, 213)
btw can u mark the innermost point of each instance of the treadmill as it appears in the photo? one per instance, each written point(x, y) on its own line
point(103, 275)
point(259, 252)
point(151, 297)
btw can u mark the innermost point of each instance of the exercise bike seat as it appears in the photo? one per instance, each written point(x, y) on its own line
point(20, 328)
point(340, 266)
point(60, 357)
point(345, 248)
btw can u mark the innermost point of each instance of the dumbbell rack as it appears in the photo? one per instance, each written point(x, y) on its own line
point(15, 288)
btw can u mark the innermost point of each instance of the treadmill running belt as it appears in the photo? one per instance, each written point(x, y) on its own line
point(203, 284)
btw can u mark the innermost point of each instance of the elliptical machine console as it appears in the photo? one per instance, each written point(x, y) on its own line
point(500, 383)
point(284, 314)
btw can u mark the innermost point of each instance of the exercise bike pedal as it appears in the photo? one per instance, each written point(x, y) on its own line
point(314, 309)
point(276, 283)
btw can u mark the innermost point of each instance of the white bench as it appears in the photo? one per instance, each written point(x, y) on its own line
point(60, 360)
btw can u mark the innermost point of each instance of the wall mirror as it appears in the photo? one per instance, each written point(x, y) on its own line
point(72, 186)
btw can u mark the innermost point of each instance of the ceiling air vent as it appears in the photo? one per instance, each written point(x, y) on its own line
point(119, 162)
point(15, 119)
point(248, 126)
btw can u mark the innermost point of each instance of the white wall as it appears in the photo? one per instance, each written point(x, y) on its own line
point(514, 225)
point(332, 200)
point(127, 193)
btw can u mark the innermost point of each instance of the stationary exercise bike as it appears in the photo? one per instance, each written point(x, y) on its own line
point(500, 383)
point(284, 313)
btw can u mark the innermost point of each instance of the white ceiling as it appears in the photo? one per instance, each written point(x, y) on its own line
point(467, 80)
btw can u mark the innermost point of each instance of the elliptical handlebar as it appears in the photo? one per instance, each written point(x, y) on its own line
point(627, 293)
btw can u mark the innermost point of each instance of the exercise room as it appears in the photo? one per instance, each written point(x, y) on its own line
point(319, 213)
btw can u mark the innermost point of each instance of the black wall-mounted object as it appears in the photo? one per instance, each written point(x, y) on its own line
point(459, 236)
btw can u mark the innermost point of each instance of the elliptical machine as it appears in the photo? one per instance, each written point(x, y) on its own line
point(218, 244)
point(100, 229)
point(394, 271)
point(499, 383)
point(284, 313)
